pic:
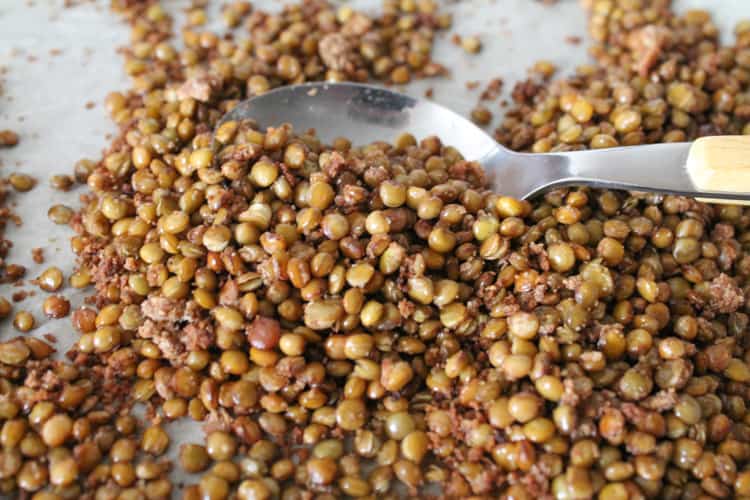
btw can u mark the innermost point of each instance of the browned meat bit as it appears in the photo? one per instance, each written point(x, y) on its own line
point(357, 25)
point(662, 401)
point(725, 295)
point(169, 342)
point(8, 138)
point(201, 88)
point(722, 232)
point(337, 52)
point(333, 165)
point(37, 255)
point(492, 90)
point(647, 44)
point(162, 309)
point(198, 336)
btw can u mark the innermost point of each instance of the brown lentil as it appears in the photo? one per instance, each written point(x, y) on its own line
point(61, 182)
point(56, 306)
point(21, 182)
point(321, 307)
point(60, 214)
point(636, 92)
point(23, 321)
point(51, 279)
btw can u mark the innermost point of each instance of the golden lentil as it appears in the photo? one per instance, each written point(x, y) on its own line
point(493, 346)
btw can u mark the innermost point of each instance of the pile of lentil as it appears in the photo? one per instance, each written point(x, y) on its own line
point(19, 183)
point(369, 320)
point(658, 76)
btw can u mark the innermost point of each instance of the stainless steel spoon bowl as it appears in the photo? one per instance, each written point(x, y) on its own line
point(364, 113)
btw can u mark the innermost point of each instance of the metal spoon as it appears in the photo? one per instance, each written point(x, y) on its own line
point(364, 113)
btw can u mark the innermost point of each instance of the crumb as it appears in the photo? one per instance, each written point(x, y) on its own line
point(8, 138)
point(37, 254)
point(50, 338)
point(492, 90)
point(55, 52)
point(90, 105)
point(573, 39)
point(473, 84)
point(429, 93)
point(19, 296)
point(456, 39)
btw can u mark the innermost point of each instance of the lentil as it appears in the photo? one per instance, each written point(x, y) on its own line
point(375, 302)
point(21, 182)
point(23, 321)
point(56, 306)
point(636, 92)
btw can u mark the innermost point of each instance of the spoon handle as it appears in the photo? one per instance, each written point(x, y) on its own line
point(720, 163)
point(711, 167)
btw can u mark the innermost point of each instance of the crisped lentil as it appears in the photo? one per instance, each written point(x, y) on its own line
point(23, 321)
point(56, 306)
point(322, 308)
point(543, 329)
point(642, 88)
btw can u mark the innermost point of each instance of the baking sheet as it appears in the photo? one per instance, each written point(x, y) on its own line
point(57, 64)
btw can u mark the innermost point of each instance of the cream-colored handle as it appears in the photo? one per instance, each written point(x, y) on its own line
point(721, 163)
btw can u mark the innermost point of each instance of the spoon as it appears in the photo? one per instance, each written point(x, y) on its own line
point(717, 168)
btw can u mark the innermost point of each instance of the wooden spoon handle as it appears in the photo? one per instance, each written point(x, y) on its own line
point(721, 163)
